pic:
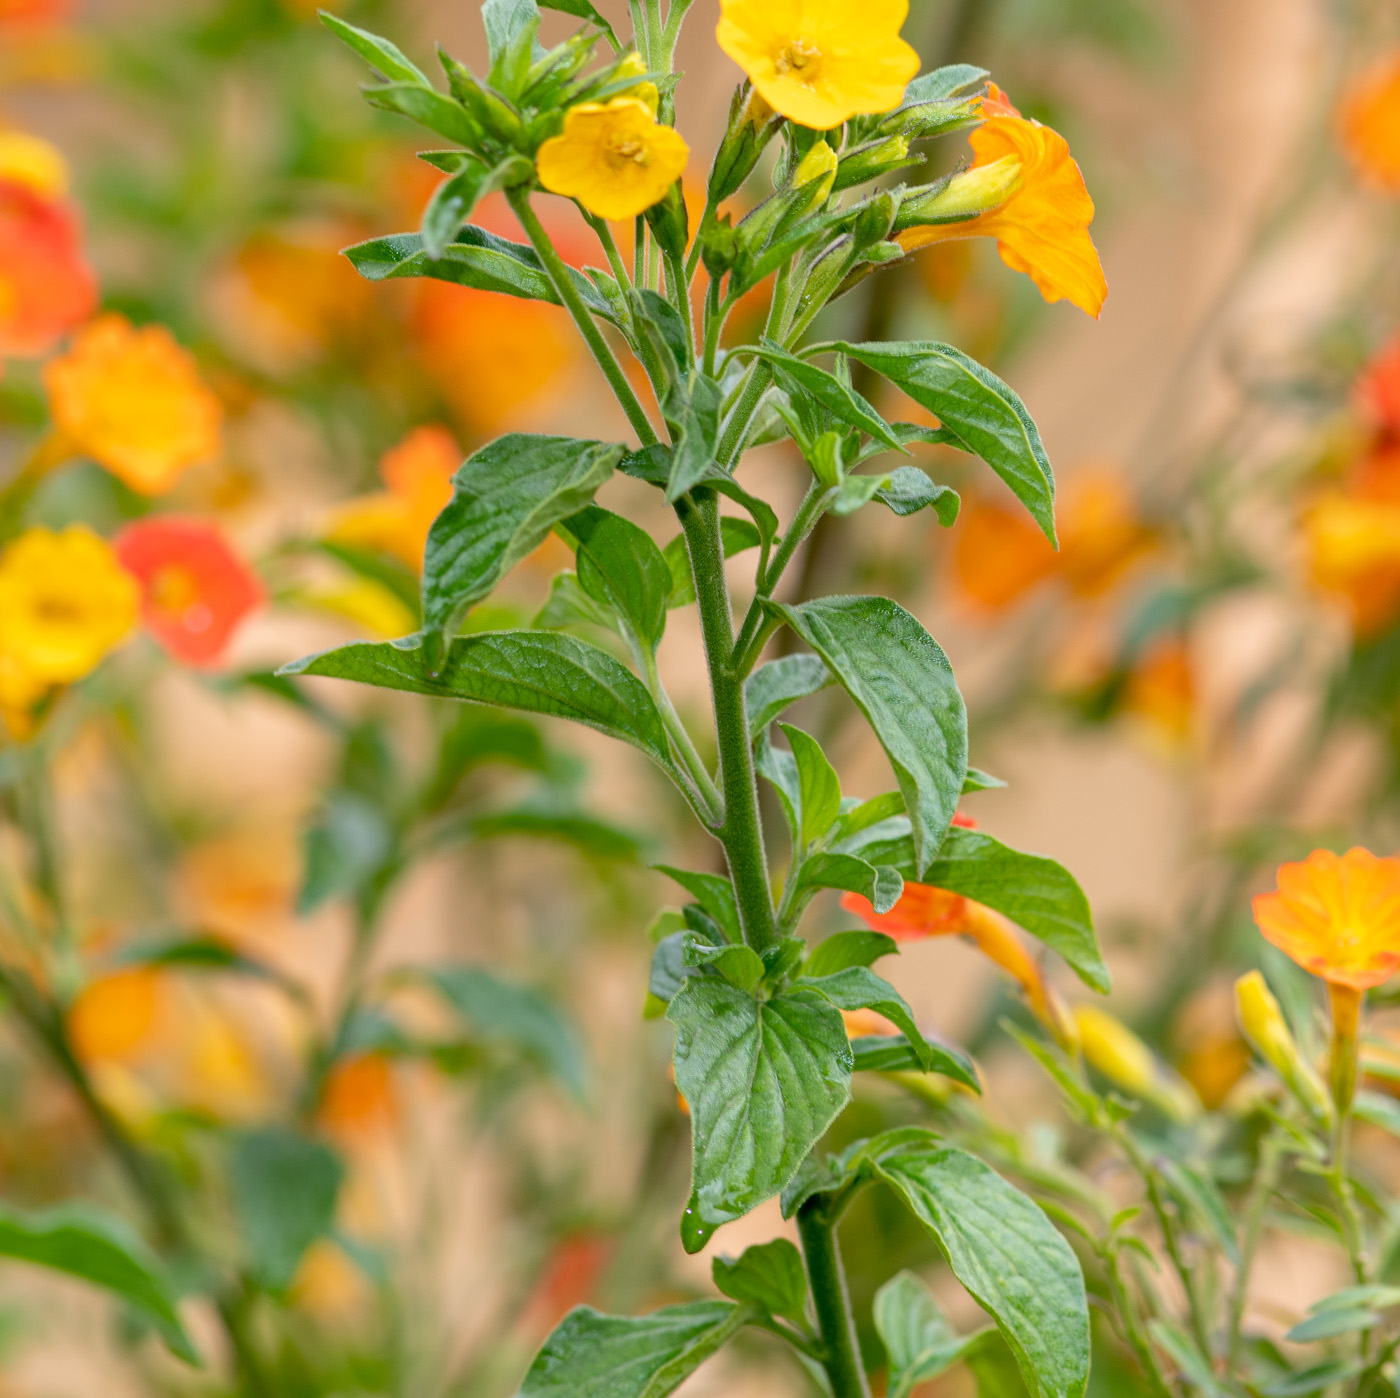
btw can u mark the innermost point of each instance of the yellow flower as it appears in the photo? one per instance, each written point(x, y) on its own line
point(614, 157)
point(634, 66)
point(113, 1017)
point(821, 62)
point(1265, 1027)
point(1354, 550)
point(133, 401)
point(28, 160)
point(1111, 1047)
point(1042, 226)
point(65, 601)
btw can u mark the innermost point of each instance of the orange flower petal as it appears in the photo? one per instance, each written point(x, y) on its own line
point(1369, 125)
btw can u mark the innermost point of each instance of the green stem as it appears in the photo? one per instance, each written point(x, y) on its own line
point(709, 805)
point(587, 327)
point(692, 260)
point(831, 1300)
point(741, 832)
point(736, 430)
point(1126, 1311)
point(1266, 1178)
point(680, 295)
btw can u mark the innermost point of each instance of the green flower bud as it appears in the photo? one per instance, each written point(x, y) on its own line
point(752, 123)
point(719, 247)
point(963, 196)
point(870, 161)
point(874, 220)
point(670, 222)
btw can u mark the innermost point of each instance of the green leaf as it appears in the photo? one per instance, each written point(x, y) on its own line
point(978, 780)
point(901, 681)
point(692, 409)
point(1196, 1368)
point(668, 967)
point(539, 672)
point(880, 884)
point(1008, 1254)
point(389, 572)
point(779, 767)
point(569, 605)
point(919, 1341)
point(713, 892)
point(796, 375)
point(583, 9)
point(740, 965)
point(1200, 1194)
point(1375, 1295)
point(976, 410)
point(505, 500)
point(621, 567)
point(600, 839)
point(859, 988)
point(284, 1188)
point(388, 58)
point(344, 851)
point(456, 197)
point(893, 1053)
point(764, 1080)
point(498, 1011)
point(947, 81)
point(507, 22)
point(774, 686)
point(1326, 1325)
point(907, 490)
point(1306, 1383)
point(427, 107)
point(818, 784)
point(872, 812)
point(770, 1275)
point(100, 1249)
point(477, 259)
point(592, 1355)
point(847, 949)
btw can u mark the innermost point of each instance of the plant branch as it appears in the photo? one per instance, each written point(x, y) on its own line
point(831, 1300)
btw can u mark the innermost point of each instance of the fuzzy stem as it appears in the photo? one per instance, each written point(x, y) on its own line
point(831, 1300)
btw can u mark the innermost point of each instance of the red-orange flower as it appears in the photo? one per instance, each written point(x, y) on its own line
point(360, 1096)
point(1042, 225)
point(1337, 916)
point(31, 13)
point(1379, 389)
point(195, 590)
point(46, 287)
point(1369, 125)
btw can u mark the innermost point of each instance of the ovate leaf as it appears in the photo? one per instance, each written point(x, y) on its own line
point(839, 399)
point(284, 1188)
point(102, 1251)
point(692, 409)
point(847, 949)
point(818, 785)
point(592, 1355)
point(1008, 1254)
point(902, 682)
point(774, 686)
point(505, 500)
point(764, 1080)
point(919, 1341)
point(976, 410)
point(539, 672)
point(770, 1275)
point(907, 490)
point(619, 566)
point(427, 107)
point(880, 884)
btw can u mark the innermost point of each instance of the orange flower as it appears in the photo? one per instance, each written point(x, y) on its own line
point(46, 288)
point(1162, 688)
point(194, 589)
point(418, 473)
point(1042, 226)
point(1354, 550)
point(359, 1095)
point(1369, 125)
point(1379, 388)
point(860, 1023)
point(1101, 535)
point(1337, 916)
point(133, 401)
point(999, 554)
point(113, 1017)
point(25, 13)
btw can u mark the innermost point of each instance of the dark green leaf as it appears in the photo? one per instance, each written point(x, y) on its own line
point(779, 683)
point(859, 988)
point(477, 259)
point(976, 408)
point(498, 1011)
point(919, 1341)
point(621, 567)
point(770, 1275)
point(1005, 1251)
point(796, 375)
point(102, 1250)
point(893, 1053)
point(284, 1188)
point(818, 785)
point(713, 892)
point(665, 329)
point(763, 1080)
point(879, 884)
point(668, 966)
point(505, 500)
point(591, 1355)
point(901, 681)
point(740, 965)
point(848, 949)
point(692, 408)
point(539, 672)
point(909, 490)
point(379, 53)
point(427, 107)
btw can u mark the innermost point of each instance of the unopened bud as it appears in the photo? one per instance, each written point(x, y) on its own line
point(922, 119)
point(634, 66)
point(1111, 1047)
point(719, 247)
point(874, 220)
point(965, 195)
point(752, 123)
point(1265, 1027)
point(870, 161)
point(670, 222)
point(816, 174)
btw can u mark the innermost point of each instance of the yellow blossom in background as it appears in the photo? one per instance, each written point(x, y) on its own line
point(821, 62)
point(1264, 1025)
point(1112, 1048)
point(418, 475)
point(1042, 226)
point(365, 602)
point(114, 1017)
point(1369, 125)
point(1336, 915)
point(614, 157)
point(65, 602)
point(1354, 550)
point(31, 161)
point(133, 400)
point(634, 65)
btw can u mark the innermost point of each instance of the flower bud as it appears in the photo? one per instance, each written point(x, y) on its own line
point(870, 161)
point(965, 195)
point(719, 247)
point(487, 109)
point(1265, 1027)
point(874, 220)
point(670, 222)
point(1111, 1047)
point(816, 175)
point(634, 66)
point(752, 123)
point(920, 120)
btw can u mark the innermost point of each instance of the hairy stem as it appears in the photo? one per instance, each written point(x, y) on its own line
point(1266, 1178)
point(741, 832)
point(587, 327)
point(831, 1300)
